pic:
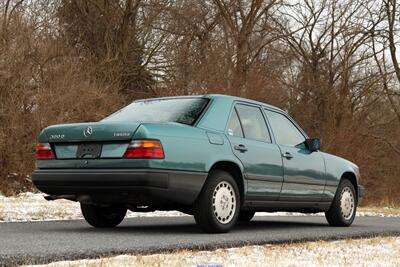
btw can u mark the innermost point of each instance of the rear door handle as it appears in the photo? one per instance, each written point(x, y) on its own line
point(240, 147)
point(287, 155)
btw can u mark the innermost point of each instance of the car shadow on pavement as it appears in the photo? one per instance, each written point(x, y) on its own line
point(186, 226)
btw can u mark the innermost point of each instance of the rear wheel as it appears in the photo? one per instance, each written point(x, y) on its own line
point(343, 209)
point(217, 207)
point(103, 217)
point(246, 215)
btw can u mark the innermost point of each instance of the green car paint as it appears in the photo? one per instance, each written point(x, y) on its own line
point(269, 181)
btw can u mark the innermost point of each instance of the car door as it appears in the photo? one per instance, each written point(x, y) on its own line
point(304, 171)
point(251, 142)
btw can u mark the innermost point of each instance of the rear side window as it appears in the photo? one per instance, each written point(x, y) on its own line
point(234, 127)
point(253, 123)
point(181, 110)
point(285, 132)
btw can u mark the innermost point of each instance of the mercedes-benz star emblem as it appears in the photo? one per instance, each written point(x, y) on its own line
point(88, 131)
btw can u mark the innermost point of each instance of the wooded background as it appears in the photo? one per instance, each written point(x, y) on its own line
point(331, 64)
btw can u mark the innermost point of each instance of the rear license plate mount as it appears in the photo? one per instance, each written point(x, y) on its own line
point(90, 151)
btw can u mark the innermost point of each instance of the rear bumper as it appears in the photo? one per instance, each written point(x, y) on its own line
point(125, 185)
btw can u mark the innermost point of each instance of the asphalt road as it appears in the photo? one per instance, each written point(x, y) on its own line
point(41, 242)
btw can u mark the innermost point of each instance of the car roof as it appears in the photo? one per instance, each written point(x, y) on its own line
point(242, 99)
point(221, 97)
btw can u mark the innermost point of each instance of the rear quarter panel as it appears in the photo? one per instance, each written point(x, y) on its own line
point(186, 147)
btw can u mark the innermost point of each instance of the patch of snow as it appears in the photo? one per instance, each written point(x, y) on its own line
point(33, 207)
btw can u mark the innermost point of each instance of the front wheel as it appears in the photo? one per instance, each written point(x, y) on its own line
point(103, 217)
point(217, 207)
point(343, 209)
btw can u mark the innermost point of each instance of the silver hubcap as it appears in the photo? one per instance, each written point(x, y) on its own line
point(347, 203)
point(224, 202)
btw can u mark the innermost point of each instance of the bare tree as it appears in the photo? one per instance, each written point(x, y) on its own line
point(248, 27)
point(331, 64)
point(392, 10)
point(331, 51)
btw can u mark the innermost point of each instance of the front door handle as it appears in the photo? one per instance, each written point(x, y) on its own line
point(240, 147)
point(287, 155)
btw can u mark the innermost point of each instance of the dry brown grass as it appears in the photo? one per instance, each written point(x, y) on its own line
point(379, 211)
point(379, 251)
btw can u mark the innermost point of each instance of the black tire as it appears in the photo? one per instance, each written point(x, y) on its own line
point(103, 217)
point(205, 208)
point(335, 216)
point(246, 215)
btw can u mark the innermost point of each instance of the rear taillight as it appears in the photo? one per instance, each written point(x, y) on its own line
point(43, 151)
point(144, 149)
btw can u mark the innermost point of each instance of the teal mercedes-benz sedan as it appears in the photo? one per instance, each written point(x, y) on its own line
point(219, 158)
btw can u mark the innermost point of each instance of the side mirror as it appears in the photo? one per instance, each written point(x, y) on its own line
point(313, 144)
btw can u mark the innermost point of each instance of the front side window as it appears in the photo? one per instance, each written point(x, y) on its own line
point(181, 110)
point(253, 123)
point(284, 130)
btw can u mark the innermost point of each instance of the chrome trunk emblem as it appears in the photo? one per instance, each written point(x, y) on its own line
point(88, 131)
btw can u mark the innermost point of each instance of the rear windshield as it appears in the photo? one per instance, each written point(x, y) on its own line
point(181, 110)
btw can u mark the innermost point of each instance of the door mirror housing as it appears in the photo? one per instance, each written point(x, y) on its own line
point(313, 144)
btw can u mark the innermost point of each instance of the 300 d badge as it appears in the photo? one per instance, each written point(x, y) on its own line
point(57, 136)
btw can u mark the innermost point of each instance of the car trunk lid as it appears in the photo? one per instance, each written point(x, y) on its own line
point(91, 140)
point(92, 131)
